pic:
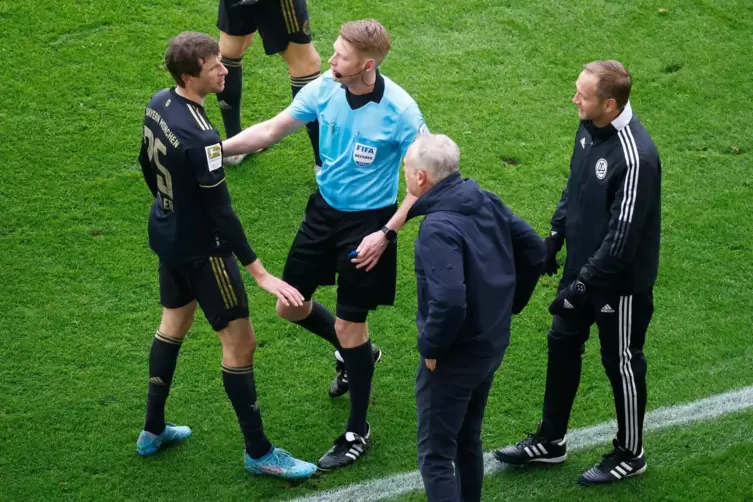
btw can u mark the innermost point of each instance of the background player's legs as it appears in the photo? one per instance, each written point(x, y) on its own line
point(304, 66)
point(163, 358)
point(359, 363)
point(566, 341)
point(232, 49)
point(238, 347)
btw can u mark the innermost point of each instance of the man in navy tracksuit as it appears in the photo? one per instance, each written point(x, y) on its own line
point(470, 250)
point(609, 216)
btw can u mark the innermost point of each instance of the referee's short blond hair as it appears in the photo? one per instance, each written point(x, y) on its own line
point(369, 38)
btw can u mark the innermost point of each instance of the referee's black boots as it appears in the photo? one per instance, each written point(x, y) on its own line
point(340, 385)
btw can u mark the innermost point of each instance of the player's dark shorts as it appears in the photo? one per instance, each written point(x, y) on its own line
point(214, 281)
point(279, 22)
point(320, 252)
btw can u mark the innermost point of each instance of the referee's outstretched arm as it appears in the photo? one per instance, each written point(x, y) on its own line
point(261, 135)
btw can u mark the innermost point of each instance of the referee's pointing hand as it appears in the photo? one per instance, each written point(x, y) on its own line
point(371, 249)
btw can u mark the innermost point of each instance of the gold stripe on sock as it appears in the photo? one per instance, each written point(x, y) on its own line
point(232, 63)
point(167, 339)
point(238, 371)
point(301, 81)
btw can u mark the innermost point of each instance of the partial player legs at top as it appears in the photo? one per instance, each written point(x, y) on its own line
point(285, 29)
point(232, 49)
point(304, 66)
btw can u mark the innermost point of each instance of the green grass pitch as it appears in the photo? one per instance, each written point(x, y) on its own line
point(78, 289)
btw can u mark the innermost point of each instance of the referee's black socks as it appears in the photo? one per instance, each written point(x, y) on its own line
point(163, 357)
point(296, 84)
point(359, 363)
point(241, 389)
point(229, 99)
point(321, 322)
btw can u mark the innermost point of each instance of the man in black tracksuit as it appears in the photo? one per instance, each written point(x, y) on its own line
point(477, 263)
point(609, 217)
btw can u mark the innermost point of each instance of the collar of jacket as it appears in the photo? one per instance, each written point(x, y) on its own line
point(424, 203)
point(618, 124)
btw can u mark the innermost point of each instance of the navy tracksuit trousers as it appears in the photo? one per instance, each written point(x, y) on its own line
point(450, 403)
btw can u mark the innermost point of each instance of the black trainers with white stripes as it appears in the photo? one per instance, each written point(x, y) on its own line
point(339, 385)
point(617, 465)
point(534, 449)
point(347, 449)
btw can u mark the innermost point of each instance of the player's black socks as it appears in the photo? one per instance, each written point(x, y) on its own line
point(230, 97)
point(241, 389)
point(163, 357)
point(296, 84)
point(359, 362)
point(321, 322)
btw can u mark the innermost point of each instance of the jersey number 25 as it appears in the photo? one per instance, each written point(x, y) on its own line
point(154, 147)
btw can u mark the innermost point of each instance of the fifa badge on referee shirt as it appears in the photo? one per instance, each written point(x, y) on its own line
point(363, 155)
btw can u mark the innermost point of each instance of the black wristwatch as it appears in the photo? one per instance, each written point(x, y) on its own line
point(390, 234)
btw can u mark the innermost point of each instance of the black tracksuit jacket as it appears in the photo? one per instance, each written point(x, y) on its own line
point(610, 211)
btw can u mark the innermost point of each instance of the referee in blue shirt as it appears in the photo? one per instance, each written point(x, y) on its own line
point(366, 124)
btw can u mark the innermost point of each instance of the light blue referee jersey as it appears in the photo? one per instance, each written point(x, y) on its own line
point(360, 149)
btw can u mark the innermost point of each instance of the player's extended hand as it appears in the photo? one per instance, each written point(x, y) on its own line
point(431, 364)
point(370, 250)
point(286, 293)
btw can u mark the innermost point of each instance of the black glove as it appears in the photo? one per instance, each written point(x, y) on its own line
point(570, 299)
point(553, 245)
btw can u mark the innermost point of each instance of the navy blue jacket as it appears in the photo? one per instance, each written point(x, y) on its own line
point(467, 252)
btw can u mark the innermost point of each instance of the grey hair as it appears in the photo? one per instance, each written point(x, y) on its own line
point(436, 154)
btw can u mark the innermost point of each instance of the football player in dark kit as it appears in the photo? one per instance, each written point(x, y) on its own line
point(284, 28)
point(197, 237)
point(609, 216)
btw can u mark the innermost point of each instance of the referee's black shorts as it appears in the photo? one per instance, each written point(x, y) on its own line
point(215, 281)
point(279, 22)
point(319, 254)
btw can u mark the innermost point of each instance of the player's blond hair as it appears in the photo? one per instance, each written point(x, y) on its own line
point(614, 80)
point(369, 38)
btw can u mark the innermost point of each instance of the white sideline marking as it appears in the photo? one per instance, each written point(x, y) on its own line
point(698, 411)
